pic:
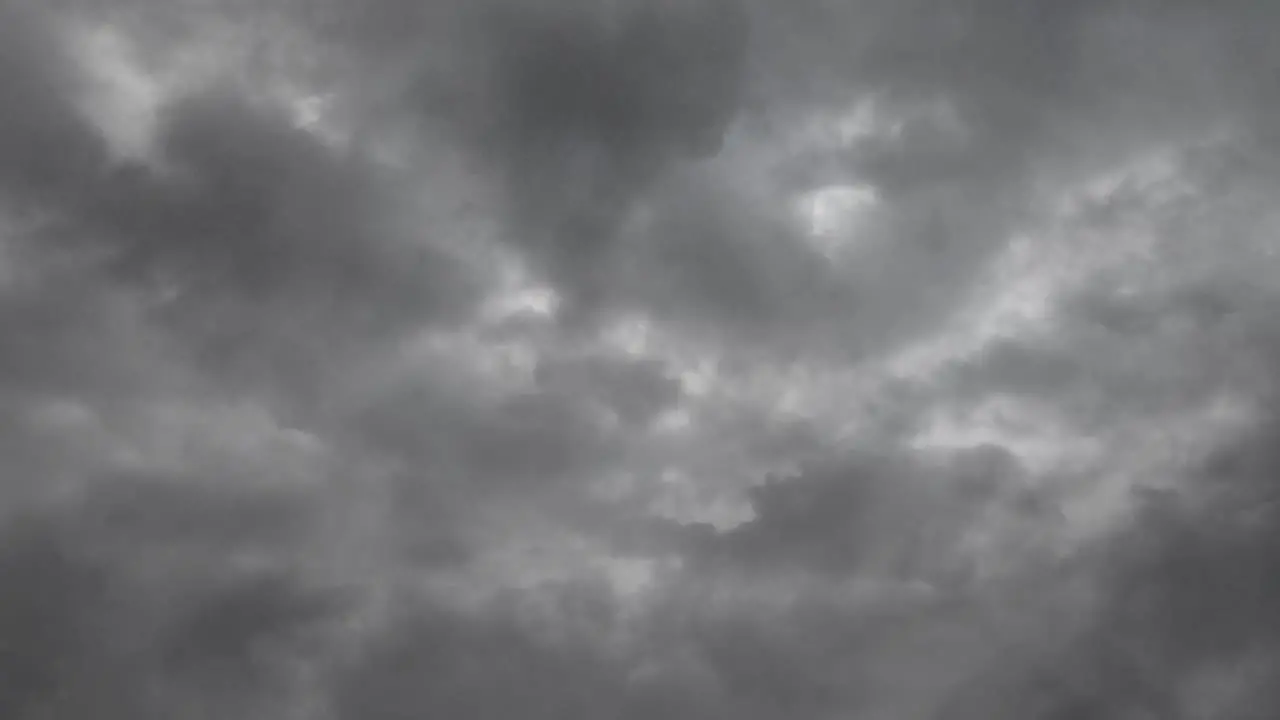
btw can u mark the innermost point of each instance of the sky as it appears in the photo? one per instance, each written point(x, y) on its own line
point(819, 359)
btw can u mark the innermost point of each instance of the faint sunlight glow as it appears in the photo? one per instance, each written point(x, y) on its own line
point(527, 302)
point(122, 100)
point(313, 114)
point(630, 335)
point(629, 577)
point(832, 215)
point(673, 422)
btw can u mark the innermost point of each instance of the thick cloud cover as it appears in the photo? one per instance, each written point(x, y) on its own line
point(703, 359)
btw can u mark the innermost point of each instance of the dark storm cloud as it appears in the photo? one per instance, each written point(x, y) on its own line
point(1185, 624)
point(583, 117)
point(469, 666)
point(279, 254)
point(506, 657)
point(880, 515)
point(574, 109)
point(85, 589)
point(251, 205)
point(230, 634)
point(1089, 678)
point(46, 147)
point(254, 258)
point(264, 244)
point(82, 348)
point(533, 439)
point(895, 617)
point(48, 338)
point(1195, 582)
point(1181, 624)
point(457, 448)
point(186, 512)
point(574, 173)
point(886, 651)
point(84, 632)
point(806, 655)
point(610, 141)
point(48, 624)
point(635, 390)
point(583, 114)
point(285, 256)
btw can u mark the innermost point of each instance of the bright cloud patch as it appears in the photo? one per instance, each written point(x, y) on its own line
point(833, 213)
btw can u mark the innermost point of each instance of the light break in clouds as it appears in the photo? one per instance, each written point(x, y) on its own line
point(484, 359)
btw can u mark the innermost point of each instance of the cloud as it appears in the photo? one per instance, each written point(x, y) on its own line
point(887, 517)
point(46, 626)
point(256, 240)
point(1195, 585)
point(572, 110)
point(440, 663)
point(48, 147)
point(477, 358)
point(96, 624)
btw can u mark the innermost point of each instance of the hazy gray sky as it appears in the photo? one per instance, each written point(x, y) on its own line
point(818, 359)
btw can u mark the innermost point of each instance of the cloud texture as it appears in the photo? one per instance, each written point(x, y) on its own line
point(587, 359)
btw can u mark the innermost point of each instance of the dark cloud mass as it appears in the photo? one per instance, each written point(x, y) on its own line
point(636, 358)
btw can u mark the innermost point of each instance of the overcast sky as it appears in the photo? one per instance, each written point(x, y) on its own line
point(621, 359)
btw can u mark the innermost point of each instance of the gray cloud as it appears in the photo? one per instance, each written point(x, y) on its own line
point(48, 148)
point(445, 664)
point(574, 110)
point(95, 629)
point(880, 515)
point(47, 624)
point(635, 390)
point(1196, 584)
point(267, 451)
point(256, 242)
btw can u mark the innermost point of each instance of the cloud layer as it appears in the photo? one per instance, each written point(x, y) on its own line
point(577, 359)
